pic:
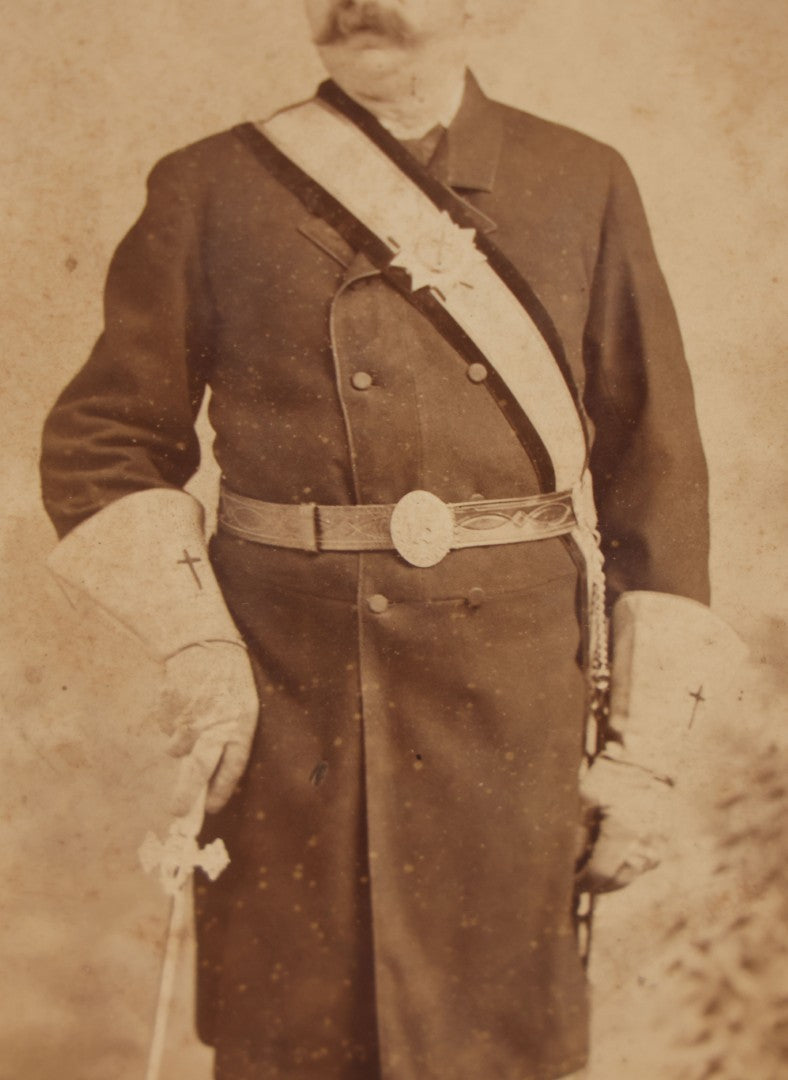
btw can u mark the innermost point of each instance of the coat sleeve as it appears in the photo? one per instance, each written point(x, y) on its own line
point(649, 470)
point(126, 421)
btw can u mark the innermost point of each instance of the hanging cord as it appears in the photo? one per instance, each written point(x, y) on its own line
point(597, 663)
point(588, 540)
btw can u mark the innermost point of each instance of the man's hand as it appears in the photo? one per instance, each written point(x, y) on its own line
point(209, 708)
point(629, 807)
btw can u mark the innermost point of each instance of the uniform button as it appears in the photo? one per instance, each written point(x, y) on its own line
point(475, 597)
point(477, 373)
point(476, 497)
point(361, 380)
point(377, 604)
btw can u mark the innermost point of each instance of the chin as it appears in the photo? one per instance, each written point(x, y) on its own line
point(365, 40)
point(358, 65)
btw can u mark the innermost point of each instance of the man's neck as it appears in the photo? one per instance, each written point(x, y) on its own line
point(409, 90)
point(412, 107)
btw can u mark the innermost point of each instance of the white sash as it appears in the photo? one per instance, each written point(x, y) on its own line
point(424, 240)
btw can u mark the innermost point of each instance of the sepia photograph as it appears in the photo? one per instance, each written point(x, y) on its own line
point(394, 653)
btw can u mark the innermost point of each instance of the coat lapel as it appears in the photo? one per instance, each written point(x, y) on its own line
point(327, 239)
point(468, 157)
point(465, 160)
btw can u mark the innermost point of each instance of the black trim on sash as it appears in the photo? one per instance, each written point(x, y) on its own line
point(521, 425)
point(319, 202)
point(314, 198)
point(445, 199)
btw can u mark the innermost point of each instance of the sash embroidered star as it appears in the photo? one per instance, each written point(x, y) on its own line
point(440, 257)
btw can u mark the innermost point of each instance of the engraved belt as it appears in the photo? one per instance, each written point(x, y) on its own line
point(421, 528)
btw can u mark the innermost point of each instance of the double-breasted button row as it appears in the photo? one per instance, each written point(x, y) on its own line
point(361, 380)
point(378, 604)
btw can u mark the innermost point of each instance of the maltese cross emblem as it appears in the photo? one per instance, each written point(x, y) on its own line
point(441, 257)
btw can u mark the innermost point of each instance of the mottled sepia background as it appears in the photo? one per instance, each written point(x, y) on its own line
point(689, 964)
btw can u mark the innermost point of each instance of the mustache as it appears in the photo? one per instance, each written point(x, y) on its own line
point(348, 19)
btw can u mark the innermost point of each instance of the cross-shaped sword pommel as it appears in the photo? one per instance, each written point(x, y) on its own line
point(175, 858)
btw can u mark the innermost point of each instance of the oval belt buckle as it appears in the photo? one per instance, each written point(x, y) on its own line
point(422, 528)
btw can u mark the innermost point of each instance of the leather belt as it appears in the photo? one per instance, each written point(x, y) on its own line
point(420, 527)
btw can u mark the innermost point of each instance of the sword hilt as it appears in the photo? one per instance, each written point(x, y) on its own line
point(175, 859)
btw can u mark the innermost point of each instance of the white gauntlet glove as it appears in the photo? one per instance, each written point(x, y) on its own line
point(143, 560)
point(633, 808)
point(673, 664)
point(208, 706)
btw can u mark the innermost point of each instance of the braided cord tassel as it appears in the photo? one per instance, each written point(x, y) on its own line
point(588, 541)
point(586, 536)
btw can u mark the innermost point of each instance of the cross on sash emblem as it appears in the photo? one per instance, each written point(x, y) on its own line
point(439, 257)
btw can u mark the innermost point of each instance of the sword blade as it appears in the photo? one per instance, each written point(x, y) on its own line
point(175, 932)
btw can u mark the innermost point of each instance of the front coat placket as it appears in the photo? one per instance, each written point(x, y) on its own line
point(418, 418)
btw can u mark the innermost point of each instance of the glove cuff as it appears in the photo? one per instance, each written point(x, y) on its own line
point(674, 664)
point(144, 561)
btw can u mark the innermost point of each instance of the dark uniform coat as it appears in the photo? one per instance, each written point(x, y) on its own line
point(399, 900)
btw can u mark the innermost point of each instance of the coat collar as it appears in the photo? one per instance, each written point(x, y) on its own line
point(468, 157)
point(465, 160)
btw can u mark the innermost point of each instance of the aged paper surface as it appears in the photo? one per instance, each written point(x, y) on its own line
point(693, 96)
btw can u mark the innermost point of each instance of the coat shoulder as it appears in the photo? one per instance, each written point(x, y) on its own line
point(553, 137)
point(201, 162)
point(557, 150)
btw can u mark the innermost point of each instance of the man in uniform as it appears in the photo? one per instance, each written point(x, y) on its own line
point(427, 322)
